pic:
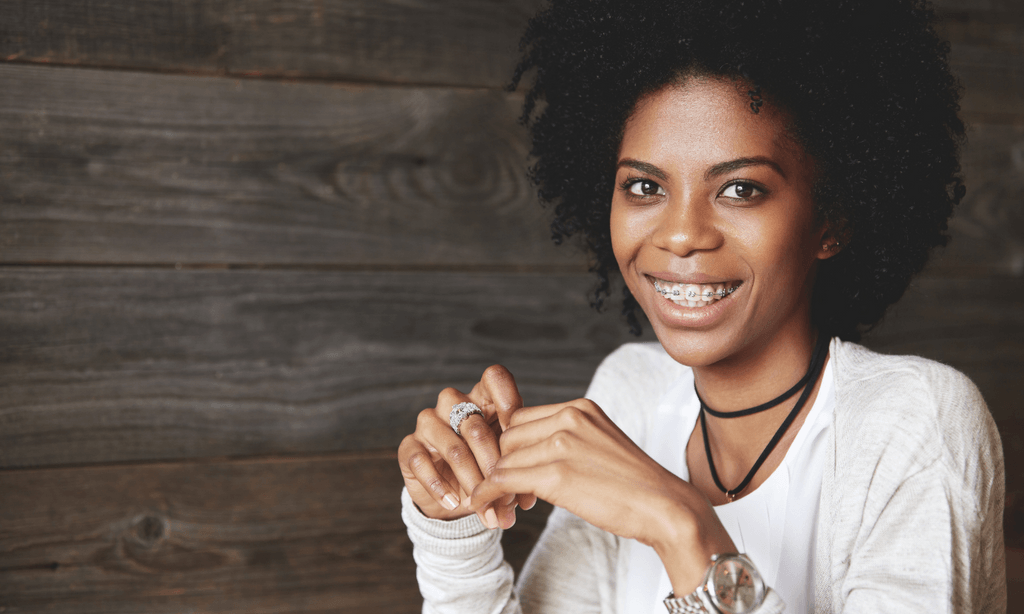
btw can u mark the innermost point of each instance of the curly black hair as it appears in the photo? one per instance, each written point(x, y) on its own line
point(866, 84)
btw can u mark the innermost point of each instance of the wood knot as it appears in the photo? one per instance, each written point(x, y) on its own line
point(150, 528)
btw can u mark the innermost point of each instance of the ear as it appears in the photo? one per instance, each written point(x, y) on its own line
point(833, 238)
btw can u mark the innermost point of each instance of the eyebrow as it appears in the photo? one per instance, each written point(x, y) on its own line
point(732, 165)
point(719, 169)
point(644, 167)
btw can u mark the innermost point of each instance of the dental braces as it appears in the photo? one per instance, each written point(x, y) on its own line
point(691, 295)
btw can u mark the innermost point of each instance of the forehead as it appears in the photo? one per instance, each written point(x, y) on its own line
point(708, 120)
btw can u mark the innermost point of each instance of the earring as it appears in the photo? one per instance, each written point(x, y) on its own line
point(830, 247)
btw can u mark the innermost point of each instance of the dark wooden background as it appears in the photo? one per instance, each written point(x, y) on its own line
point(243, 242)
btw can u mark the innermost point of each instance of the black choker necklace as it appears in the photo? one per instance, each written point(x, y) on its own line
point(813, 371)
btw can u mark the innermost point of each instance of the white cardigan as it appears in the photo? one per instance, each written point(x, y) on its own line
point(910, 516)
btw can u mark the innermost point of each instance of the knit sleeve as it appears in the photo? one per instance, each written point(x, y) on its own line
point(460, 566)
point(917, 496)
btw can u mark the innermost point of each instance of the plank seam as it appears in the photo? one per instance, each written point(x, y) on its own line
point(555, 269)
point(261, 76)
point(359, 455)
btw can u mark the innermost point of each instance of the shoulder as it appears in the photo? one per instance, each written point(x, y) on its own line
point(913, 409)
point(914, 446)
point(904, 389)
point(634, 375)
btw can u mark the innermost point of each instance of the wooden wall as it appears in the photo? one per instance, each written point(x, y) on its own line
point(243, 242)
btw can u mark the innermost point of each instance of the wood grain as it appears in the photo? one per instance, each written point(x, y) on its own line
point(314, 534)
point(118, 167)
point(988, 58)
point(979, 336)
point(460, 42)
point(102, 365)
point(101, 167)
point(988, 227)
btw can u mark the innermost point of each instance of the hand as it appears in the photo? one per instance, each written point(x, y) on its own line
point(441, 468)
point(573, 456)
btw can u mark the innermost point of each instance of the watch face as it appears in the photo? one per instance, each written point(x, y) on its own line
point(738, 587)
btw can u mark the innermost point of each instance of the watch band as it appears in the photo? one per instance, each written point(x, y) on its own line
point(743, 586)
point(689, 604)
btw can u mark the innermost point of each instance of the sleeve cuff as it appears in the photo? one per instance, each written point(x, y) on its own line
point(465, 537)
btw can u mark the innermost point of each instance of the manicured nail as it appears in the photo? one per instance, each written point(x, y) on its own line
point(490, 518)
point(450, 502)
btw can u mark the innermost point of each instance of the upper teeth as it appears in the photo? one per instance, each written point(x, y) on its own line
point(690, 293)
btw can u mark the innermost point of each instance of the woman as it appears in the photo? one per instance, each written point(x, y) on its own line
point(767, 177)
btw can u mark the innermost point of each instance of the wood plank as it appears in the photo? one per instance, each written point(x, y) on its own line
point(1005, 11)
point(988, 227)
point(270, 536)
point(452, 42)
point(989, 61)
point(460, 42)
point(974, 325)
point(987, 41)
point(1014, 579)
point(101, 365)
point(106, 167)
point(119, 167)
point(1012, 432)
point(128, 364)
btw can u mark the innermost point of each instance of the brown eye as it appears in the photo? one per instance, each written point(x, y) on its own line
point(644, 187)
point(740, 191)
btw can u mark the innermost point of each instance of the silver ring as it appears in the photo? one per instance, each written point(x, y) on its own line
point(461, 411)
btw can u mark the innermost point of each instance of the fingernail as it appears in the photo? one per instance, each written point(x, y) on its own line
point(510, 516)
point(491, 518)
point(450, 502)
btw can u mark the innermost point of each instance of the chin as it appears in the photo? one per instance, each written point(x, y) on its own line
point(692, 348)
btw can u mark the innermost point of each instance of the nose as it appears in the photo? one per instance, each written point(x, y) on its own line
point(687, 224)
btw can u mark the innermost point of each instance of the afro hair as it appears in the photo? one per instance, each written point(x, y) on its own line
point(866, 84)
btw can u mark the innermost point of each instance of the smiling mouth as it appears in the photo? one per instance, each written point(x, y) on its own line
point(694, 295)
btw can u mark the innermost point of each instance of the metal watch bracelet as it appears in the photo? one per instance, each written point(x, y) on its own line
point(689, 604)
point(731, 584)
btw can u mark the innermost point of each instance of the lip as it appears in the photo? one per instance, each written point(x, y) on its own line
point(695, 279)
point(683, 316)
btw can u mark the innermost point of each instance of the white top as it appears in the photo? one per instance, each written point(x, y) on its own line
point(909, 518)
point(774, 525)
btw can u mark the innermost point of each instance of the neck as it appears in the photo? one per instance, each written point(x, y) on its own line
point(757, 375)
point(738, 384)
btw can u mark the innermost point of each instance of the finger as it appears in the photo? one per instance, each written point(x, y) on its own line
point(457, 451)
point(482, 442)
point(453, 449)
point(542, 425)
point(416, 462)
point(526, 502)
point(500, 386)
point(539, 412)
point(506, 480)
point(516, 469)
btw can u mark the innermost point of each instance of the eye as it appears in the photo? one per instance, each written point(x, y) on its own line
point(644, 187)
point(741, 191)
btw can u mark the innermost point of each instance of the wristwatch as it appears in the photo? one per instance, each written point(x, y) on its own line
point(732, 585)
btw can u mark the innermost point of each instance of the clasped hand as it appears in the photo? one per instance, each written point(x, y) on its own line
point(569, 454)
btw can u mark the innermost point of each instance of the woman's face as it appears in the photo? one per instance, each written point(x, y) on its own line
point(713, 204)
